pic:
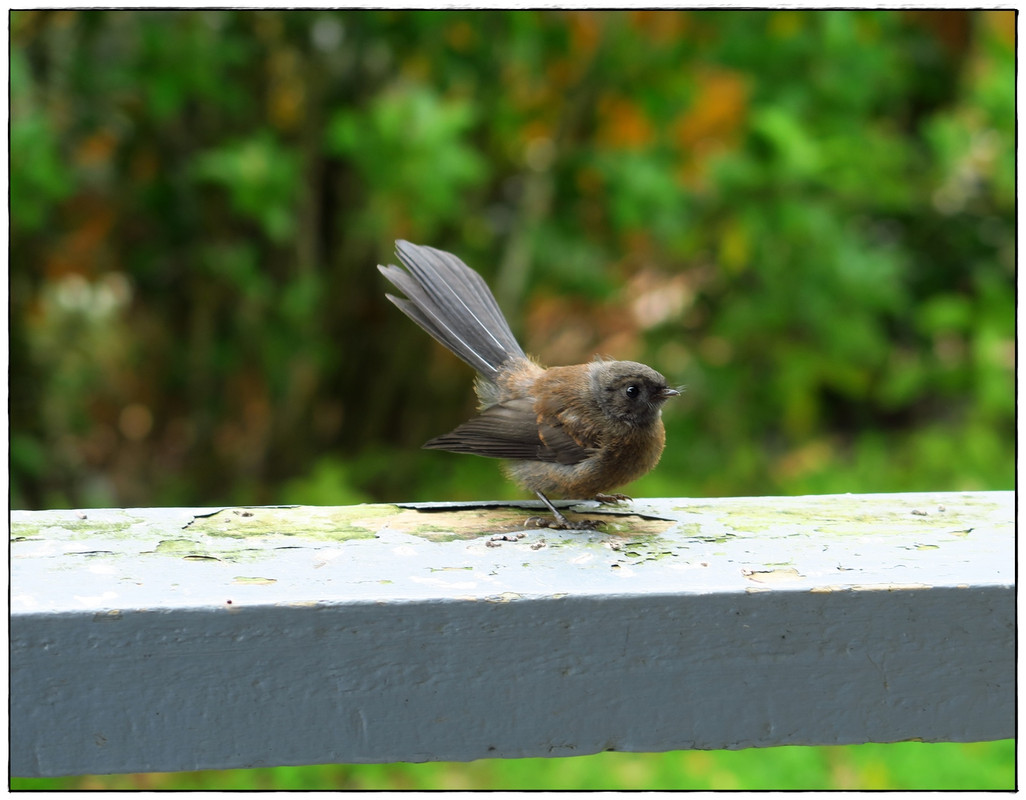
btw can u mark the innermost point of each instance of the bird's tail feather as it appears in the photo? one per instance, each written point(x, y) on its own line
point(454, 305)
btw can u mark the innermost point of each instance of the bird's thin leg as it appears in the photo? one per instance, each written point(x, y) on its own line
point(560, 519)
point(561, 522)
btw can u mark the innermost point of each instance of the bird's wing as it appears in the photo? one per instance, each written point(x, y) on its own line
point(512, 429)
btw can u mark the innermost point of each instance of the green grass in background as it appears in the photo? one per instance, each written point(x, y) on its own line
point(905, 765)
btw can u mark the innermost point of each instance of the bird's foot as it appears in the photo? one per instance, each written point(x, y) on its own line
point(612, 498)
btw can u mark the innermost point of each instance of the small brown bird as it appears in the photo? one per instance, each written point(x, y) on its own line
point(577, 431)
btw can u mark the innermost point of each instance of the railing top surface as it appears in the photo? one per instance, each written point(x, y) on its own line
point(67, 561)
point(181, 639)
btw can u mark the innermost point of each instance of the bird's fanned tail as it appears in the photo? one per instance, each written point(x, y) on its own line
point(454, 305)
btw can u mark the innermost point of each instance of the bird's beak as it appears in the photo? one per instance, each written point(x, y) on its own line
point(667, 393)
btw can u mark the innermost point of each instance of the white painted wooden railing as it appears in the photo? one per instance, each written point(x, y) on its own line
point(181, 639)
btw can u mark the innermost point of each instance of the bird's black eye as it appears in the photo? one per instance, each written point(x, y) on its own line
point(632, 391)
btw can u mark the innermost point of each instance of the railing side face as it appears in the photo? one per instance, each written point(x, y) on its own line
point(488, 658)
point(459, 681)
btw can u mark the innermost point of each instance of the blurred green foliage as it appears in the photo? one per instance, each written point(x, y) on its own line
point(905, 765)
point(807, 218)
point(804, 217)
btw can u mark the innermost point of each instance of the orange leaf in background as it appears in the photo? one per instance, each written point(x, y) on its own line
point(622, 124)
point(713, 120)
point(718, 108)
point(585, 31)
point(1003, 24)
